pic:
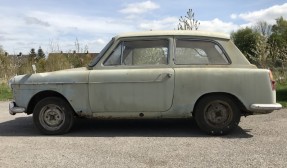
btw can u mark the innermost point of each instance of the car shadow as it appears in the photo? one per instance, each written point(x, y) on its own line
point(23, 126)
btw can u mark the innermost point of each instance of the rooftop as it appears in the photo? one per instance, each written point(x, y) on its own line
point(176, 33)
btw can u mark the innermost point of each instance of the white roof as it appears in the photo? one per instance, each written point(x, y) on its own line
point(194, 33)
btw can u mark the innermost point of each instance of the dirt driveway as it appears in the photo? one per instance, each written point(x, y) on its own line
point(260, 141)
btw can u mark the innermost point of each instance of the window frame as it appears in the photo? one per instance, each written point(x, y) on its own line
point(123, 40)
point(102, 53)
point(113, 51)
point(229, 62)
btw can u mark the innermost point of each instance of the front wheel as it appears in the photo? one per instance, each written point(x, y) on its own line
point(217, 115)
point(53, 116)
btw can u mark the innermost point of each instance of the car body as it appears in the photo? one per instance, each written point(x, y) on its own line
point(147, 75)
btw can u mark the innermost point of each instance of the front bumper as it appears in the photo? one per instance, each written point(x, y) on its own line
point(13, 109)
point(265, 108)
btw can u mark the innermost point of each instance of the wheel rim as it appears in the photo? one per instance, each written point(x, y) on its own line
point(52, 117)
point(218, 114)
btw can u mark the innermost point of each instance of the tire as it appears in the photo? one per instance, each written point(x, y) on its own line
point(53, 116)
point(217, 115)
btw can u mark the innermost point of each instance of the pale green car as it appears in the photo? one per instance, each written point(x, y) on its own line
point(151, 75)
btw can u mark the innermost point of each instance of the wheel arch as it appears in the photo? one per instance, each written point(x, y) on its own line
point(40, 96)
point(235, 99)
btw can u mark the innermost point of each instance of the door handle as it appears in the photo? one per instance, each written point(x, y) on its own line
point(163, 77)
point(169, 75)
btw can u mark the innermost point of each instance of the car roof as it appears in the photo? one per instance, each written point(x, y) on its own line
point(193, 33)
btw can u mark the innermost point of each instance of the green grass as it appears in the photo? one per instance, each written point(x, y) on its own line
point(5, 92)
point(281, 94)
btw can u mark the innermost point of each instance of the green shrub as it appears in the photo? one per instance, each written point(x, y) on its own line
point(281, 94)
point(5, 92)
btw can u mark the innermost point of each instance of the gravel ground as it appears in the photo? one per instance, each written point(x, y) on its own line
point(260, 141)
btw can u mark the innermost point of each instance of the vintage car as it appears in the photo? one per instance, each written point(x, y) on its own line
point(151, 75)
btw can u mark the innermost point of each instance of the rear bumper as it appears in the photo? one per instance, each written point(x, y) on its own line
point(265, 108)
point(13, 109)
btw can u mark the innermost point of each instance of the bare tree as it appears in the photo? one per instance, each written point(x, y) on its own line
point(86, 50)
point(77, 45)
point(54, 46)
point(263, 28)
point(188, 22)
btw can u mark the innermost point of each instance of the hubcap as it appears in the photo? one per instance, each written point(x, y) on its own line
point(51, 117)
point(218, 114)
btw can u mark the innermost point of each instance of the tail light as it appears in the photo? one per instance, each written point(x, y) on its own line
point(273, 83)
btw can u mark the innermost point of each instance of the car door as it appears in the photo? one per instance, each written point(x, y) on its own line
point(136, 77)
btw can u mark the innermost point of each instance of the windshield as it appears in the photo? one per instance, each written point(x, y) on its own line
point(100, 55)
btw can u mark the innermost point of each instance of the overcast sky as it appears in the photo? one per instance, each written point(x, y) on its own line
point(54, 24)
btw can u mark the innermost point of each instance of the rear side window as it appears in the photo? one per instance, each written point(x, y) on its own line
point(196, 52)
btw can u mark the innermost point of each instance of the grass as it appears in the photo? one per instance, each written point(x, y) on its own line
point(6, 93)
point(282, 94)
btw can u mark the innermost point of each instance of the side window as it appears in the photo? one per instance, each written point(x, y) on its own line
point(115, 57)
point(139, 52)
point(195, 52)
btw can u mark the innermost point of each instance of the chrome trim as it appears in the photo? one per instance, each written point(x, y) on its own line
point(160, 78)
point(13, 109)
point(266, 107)
point(48, 83)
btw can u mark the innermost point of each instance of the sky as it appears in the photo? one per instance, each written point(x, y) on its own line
point(57, 25)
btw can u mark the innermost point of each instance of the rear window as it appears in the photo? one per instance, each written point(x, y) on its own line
point(196, 52)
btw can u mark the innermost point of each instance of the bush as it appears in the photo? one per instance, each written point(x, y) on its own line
point(5, 92)
point(281, 94)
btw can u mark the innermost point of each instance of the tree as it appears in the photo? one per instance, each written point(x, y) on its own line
point(40, 54)
point(261, 52)
point(188, 22)
point(54, 46)
point(263, 28)
point(75, 60)
point(278, 41)
point(280, 27)
point(41, 64)
point(40, 60)
point(1, 50)
point(265, 45)
point(26, 68)
point(32, 55)
point(246, 40)
point(77, 45)
point(57, 61)
point(3, 63)
point(7, 68)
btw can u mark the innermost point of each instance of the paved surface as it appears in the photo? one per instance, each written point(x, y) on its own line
point(260, 141)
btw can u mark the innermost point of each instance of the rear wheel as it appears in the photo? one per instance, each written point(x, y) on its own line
point(217, 115)
point(53, 116)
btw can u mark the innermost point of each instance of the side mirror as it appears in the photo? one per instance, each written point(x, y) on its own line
point(34, 68)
